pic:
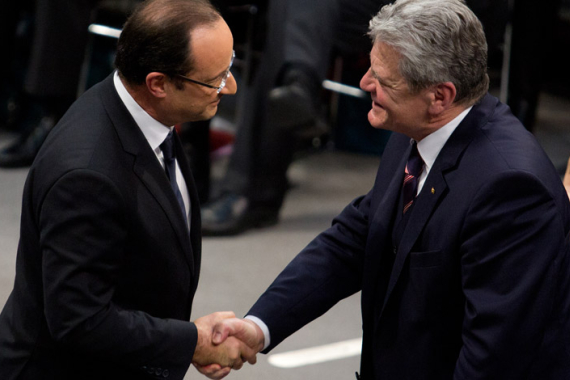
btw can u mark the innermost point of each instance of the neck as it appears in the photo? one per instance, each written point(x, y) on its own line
point(437, 121)
point(143, 98)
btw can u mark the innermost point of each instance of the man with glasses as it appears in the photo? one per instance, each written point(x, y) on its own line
point(110, 249)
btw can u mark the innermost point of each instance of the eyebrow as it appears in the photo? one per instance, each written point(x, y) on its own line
point(385, 82)
point(217, 76)
point(376, 76)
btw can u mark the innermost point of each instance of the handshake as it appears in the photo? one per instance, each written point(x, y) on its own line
point(225, 343)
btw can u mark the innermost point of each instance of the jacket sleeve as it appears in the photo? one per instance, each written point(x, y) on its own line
point(83, 226)
point(327, 270)
point(513, 243)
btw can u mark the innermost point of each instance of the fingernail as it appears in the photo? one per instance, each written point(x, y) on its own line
point(217, 337)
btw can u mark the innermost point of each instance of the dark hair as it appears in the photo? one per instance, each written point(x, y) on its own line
point(156, 37)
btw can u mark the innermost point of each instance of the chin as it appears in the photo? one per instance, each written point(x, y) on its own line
point(376, 121)
point(208, 113)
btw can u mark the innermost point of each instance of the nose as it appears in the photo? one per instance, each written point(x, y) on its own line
point(366, 83)
point(231, 86)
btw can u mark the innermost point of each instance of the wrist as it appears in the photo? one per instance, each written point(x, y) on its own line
point(260, 336)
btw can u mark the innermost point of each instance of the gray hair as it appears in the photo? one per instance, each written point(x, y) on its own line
point(439, 41)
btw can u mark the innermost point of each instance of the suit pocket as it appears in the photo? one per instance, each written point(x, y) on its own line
point(425, 259)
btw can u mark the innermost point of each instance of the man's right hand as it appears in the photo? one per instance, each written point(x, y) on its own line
point(215, 360)
point(230, 331)
point(243, 329)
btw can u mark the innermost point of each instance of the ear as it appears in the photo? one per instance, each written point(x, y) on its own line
point(442, 97)
point(156, 84)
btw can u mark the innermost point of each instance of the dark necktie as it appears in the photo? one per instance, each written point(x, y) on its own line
point(167, 148)
point(414, 168)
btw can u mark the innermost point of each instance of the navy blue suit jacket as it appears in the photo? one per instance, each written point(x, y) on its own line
point(106, 269)
point(479, 287)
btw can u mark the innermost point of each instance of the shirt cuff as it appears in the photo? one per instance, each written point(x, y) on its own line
point(263, 328)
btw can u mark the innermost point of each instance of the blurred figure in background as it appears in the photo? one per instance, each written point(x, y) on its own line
point(44, 75)
point(282, 104)
point(532, 49)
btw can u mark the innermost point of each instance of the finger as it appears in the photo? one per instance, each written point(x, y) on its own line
point(221, 373)
point(235, 354)
point(237, 364)
point(220, 315)
point(234, 348)
point(210, 368)
point(252, 359)
point(248, 354)
point(213, 371)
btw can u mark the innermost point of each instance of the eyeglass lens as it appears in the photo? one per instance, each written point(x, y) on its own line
point(225, 78)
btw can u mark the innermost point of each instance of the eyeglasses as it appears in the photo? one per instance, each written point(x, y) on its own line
point(224, 79)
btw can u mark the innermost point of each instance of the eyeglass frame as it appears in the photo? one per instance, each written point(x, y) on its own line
point(224, 79)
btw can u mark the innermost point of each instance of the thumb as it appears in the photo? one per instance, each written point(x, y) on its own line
point(224, 329)
point(242, 329)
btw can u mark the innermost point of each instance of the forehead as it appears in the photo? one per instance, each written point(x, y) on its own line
point(384, 58)
point(211, 47)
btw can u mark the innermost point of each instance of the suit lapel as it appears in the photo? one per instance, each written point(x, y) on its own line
point(156, 182)
point(384, 214)
point(147, 167)
point(423, 207)
point(435, 186)
point(379, 240)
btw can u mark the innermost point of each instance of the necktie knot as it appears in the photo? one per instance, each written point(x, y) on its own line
point(415, 164)
point(167, 148)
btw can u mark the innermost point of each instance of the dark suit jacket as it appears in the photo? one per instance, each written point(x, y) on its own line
point(479, 287)
point(106, 270)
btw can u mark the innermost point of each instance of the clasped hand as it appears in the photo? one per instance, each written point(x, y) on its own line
point(225, 343)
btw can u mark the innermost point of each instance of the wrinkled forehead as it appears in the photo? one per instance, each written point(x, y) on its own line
point(384, 56)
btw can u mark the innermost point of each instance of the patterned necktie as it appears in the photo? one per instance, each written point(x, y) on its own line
point(167, 148)
point(414, 168)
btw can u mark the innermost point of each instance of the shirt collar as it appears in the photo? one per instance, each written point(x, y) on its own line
point(154, 131)
point(430, 146)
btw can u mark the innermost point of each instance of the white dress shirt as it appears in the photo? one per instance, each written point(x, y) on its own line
point(155, 132)
point(430, 146)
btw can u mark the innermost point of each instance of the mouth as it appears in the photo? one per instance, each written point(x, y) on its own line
point(376, 104)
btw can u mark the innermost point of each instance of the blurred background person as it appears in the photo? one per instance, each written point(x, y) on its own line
point(43, 44)
point(281, 105)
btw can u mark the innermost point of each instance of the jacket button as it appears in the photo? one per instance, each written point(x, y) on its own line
point(165, 373)
point(395, 250)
